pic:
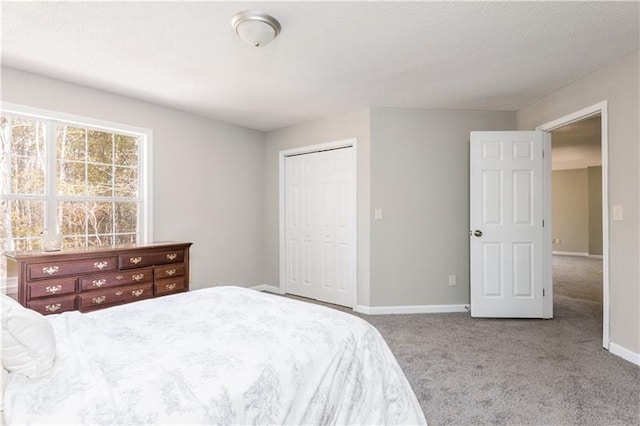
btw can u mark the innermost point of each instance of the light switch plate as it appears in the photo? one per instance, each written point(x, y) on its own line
point(453, 280)
point(616, 213)
point(377, 213)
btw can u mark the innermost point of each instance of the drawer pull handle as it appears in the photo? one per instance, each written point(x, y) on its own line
point(119, 277)
point(53, 289)
point(100, 265)
point(50, 270)
point(119, 293)
point(170, 272)
point(138, 292)
point(53, 308)
point(170, 286)
point(135, 260)
point(98, 299)
point(137, 277)
point(172, 256)
point(99, 283)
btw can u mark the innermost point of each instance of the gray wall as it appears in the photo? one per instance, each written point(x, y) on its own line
point(570, 215)
point(577, 210)
point(207, 175)
point(420, 178)
point(618, 84)
point(351, 124)
point(414, 164)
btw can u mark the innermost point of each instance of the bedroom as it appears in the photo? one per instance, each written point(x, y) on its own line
point(230, 210)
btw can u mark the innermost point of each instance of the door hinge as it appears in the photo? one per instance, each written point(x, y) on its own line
point(543, 153)
point(543, 292)
point(543, 223)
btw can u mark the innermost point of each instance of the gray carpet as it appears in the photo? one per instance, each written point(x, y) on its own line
point(578, 278)
point(499, 371)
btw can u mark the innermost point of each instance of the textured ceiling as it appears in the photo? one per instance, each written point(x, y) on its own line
point(330, 56)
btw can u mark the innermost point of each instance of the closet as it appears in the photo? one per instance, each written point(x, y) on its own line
point(320, 219)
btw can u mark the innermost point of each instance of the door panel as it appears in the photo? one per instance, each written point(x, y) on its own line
point(298, 226)
point(523, 197)
point(328, 209)
point(492, 197)
point(492, 269)
point(522, 270)
point(507, 208)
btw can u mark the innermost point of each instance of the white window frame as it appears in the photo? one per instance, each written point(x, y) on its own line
point(145, 173)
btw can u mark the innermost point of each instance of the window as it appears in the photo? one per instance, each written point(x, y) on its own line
point(83, 178)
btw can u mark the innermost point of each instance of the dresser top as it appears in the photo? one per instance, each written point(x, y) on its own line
point(33, 254)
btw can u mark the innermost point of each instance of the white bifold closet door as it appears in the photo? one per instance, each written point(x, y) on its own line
point(320, 226)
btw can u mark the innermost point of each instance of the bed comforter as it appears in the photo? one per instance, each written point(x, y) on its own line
point(222, 356)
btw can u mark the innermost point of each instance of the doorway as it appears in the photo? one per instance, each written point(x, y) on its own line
point(318, 222)
point(579, 201)
point(577, 220)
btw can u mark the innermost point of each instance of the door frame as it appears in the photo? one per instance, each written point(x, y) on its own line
point(590, 111)
point(346, 143)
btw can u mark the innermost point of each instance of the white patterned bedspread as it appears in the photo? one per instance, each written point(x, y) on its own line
point(223, 355)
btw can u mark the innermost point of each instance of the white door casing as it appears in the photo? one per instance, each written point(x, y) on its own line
point(319, 225)
point(507, 238)
point(590, 111)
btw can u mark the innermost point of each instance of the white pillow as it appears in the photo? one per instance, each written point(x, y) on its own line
point(28, 342)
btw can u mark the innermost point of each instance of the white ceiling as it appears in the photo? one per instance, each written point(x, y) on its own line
point(330, 56)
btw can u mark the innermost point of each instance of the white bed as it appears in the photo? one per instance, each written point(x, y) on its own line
point(224, 355)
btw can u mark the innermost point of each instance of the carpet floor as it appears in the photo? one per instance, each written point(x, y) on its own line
point(469, 371)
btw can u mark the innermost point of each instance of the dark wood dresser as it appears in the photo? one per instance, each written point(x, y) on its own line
point(94, 278)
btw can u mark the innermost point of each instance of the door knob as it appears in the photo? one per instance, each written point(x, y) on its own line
point(477, 233)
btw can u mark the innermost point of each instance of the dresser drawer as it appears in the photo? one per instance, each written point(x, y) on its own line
point(51, 287)
point(136, 260)
point(53, 305)
point(168, 271)
point(170, 285)
point(81, 266)
point(94, 299)
point(97, 281)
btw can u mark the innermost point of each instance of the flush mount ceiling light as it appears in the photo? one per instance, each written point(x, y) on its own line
point(255, 28)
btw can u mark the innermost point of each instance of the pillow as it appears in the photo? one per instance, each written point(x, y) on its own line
point(28, 342)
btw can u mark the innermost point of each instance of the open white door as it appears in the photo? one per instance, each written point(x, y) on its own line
point(508, 235)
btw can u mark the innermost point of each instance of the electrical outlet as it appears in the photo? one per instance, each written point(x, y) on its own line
point(556, 241)
point(452, 280)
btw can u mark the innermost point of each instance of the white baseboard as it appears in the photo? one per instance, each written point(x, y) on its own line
point(385, 310)
point(411, 309)
point(577, 253)
point(268, 288)
point(624, 353)
point(570, 253)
